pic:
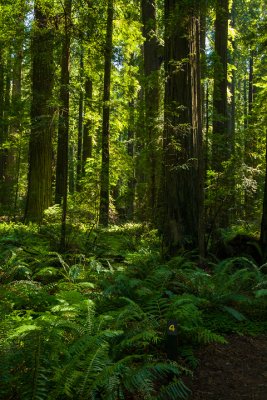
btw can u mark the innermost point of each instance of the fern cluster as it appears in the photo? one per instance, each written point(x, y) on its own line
point(87, 326)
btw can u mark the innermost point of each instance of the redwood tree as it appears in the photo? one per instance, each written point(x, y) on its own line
point(181, 146)
point(63, 126)
point(221, 142)
point(152, 101)
point(104, 183)
point(39, 195)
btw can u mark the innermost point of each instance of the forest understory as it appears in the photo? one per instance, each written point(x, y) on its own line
point(92, 322)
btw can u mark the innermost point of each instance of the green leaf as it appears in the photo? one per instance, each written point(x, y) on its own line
point(236, 314)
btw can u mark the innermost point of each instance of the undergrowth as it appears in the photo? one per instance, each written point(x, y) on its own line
point(92, 323)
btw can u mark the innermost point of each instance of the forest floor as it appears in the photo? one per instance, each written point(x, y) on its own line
point(233, 371)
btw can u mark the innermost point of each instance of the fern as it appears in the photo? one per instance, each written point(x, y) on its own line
point(174, 390)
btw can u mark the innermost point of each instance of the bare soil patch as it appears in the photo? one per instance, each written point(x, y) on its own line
point(233, 371)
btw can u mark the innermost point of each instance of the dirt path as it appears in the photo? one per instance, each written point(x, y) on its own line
point(235, 371)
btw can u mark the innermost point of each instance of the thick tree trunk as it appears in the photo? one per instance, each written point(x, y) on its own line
point(180, 217)
point(220, 148)
point(104, 182)
point(39, 195)
point(152, 101)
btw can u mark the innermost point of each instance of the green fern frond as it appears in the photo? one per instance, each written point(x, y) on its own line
point(159, 278)
point(174, 391)
point(158, 307)
point(205, 336)
point(97, 361)
point(234, 313)
point(188, 354)
point(140, 340)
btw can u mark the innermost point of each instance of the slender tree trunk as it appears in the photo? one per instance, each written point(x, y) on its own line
point(245, 104)
point(80, 130)
point(197, 110)
point(2, 139)
point(6, 191)
point(17, 113)
point(263, 234)
point(250, 85)
point(71, 169)
point(152, 98)
point(63, 127)
point(104, 183)
point(5, 194)
point(87, 138)
point(39, 195)
point(232, 87)
point(130, 151)
point(250, 138)
point(220, 149)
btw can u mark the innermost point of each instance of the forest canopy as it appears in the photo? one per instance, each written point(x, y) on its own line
point(147, 110)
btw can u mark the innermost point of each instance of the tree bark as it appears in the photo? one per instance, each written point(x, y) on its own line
point(130, 152)
point(197, 114)
point(152, 101)
point(220, 149)
point(180, 217)
point(87, 138)
point(39, 195)
point(263, 234)
point(4, 154)
point(63, 126)
point(17, 113)
point(80, 130)
point(104, 179)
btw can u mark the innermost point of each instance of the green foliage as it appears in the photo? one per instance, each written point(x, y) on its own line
point(80, 326)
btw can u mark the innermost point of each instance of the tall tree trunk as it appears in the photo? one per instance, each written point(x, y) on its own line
point(104, 183)
point(39, 195)
point(71, 169)
point(130, 152)
point(6, 189)
point(80, 129)
point(263, 234)
point(152, 99)
point(245, 97)
point(17, 113)
point(2, 139)
point(197, 113)
point(5, 177)
point(250, 85)
point(220, 149)
point(250, 138)
point(63, 127)
point(180, 217)
point(87, 137)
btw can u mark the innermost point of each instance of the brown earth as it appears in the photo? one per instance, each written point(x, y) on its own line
point(233, 371)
